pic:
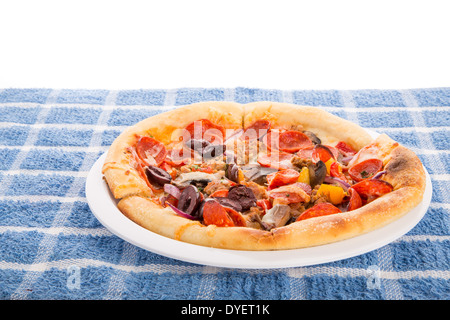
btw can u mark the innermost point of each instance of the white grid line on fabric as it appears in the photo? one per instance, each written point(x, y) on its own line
point(183, 269)
point(391, 288)
point(229, 94)
point(349, 105)
point(206, 290)
point(287, 96)
point(169, 100)
point(48, 242)
point(298, 285)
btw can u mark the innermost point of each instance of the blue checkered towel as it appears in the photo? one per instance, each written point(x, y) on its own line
point(52, 246)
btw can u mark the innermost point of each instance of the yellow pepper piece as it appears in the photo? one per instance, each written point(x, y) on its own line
point(304, 175)
point(328, 164)
point(241, 176)
point(334, 194)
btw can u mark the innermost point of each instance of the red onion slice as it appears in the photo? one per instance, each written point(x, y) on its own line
point(342, 183)
point(181, 213)
point(163, 200)
point(172, 190)
point(379, 174)
point(346, 160)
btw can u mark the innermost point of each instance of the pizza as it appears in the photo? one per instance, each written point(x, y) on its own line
point(259, 176)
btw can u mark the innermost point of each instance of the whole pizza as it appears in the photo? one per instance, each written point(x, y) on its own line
point(260, 176)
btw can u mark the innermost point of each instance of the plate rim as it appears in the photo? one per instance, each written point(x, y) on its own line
point(103, 206)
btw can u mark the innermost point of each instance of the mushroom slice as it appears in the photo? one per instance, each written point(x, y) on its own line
point(197, 178)
point(276, 217)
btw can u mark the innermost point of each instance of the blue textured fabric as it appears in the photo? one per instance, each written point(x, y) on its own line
point(49, 139)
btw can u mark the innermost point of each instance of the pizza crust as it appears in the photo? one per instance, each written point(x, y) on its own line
point(403, 170)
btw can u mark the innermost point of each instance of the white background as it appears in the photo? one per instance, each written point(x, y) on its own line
point(267, 44)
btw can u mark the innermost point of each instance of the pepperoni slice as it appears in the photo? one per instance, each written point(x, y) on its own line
point(215, 213)
point(205, 129)
point(237, 218)
point(257, 130)
point(293, 141)
point(318, 210)
point(305, 153)
point(281, 178)
point(276, 160)
point(365, 169)
point(345, 149)
point(151, 151)
point(336, 171)
point(322, 153)
point(370, 189)
point(355, 201)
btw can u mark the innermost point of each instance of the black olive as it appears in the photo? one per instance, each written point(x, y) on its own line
point(232, 172)
point(157, 176)
point(213, 150)
point(197, 144)
point(244, 195)
point(189, 200)
point(317, 173)
point(199, 213)
point(227, 202)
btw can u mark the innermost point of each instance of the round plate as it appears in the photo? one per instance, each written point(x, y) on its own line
point(104, 207)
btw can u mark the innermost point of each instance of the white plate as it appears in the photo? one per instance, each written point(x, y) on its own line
point(103, 205)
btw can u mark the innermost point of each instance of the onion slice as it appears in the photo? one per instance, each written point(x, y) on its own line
point(172, 190)
point(379, 174)
point(181, 213)
point(342, 183)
